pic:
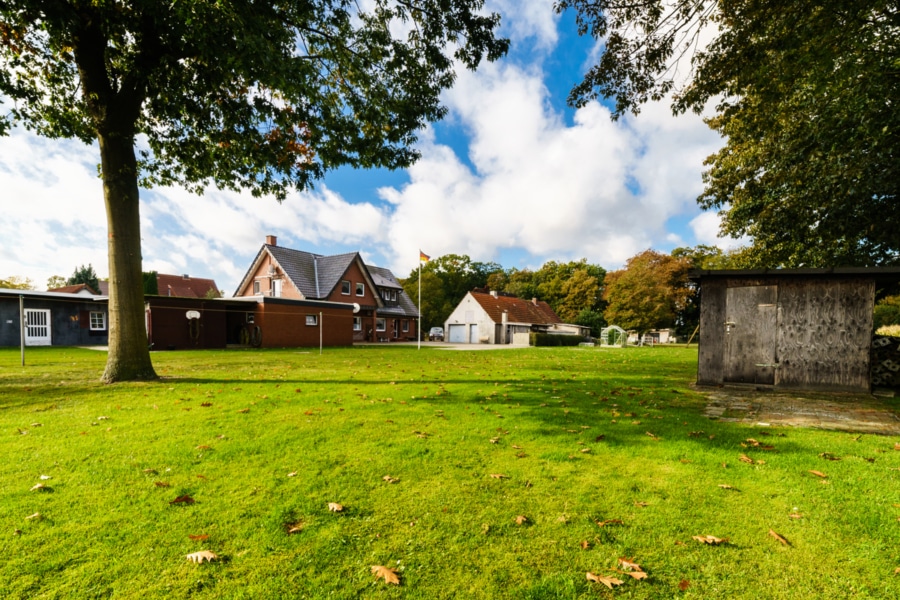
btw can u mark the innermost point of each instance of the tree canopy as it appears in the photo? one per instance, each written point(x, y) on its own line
point(805, 97)
point(649, 292)
point(85, 275)
point(244, 94)
point(16, 282)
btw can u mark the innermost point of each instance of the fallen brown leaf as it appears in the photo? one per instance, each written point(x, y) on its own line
point(709, 539)
point(636, 574)
point(35, 517)
point(818, 473)
point(162, 484)
point(829, 456)
point(746, 459)
point(244, 410)
point(521, 519)
point(795, 516)
point(778, 537)
point(628, 563)
point(199, 557)
point(607, 581)
point(585, 544)
point(149, 471)
point(684, 584)
point(335, 507)
point(388, 574)
point(390, 479)
point(499, 476)
point(295, 527)
point(186, 499)
point(652, 436)
point(725, 486)
point(610, 522)
point(199, 537)
point(642, 504)
point(38, 487)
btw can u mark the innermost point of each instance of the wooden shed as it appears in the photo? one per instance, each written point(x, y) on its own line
point(789, 328)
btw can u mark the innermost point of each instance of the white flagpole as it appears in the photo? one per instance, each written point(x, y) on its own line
point(419, 336)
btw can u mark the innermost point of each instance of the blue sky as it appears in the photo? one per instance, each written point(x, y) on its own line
point(512, 175)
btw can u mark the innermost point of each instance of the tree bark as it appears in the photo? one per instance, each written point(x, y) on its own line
point(129, 354)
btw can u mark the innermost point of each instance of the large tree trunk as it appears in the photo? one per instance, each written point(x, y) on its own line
point(129, 354)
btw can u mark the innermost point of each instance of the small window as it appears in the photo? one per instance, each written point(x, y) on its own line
point(394, 295)
point(98, 321)
point(405, 326)
point(380, 325)
point(357, 323)
point(312, 320)
point(360, 289)
point(256, 288)
point(345, 288)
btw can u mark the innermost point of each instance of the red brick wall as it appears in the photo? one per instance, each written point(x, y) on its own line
point(285, 326)
point(354, 275)
point(265, 282)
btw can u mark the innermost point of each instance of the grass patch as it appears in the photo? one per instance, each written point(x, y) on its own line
point(264, 440)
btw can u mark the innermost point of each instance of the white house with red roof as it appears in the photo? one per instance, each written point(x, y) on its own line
point(490, 317)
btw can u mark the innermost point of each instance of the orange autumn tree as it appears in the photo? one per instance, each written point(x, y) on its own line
point(648, 293)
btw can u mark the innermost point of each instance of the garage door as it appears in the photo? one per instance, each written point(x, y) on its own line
point(457, 334)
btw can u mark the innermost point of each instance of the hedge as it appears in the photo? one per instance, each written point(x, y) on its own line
point(552, 339)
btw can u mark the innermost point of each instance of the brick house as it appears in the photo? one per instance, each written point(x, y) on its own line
point(381, 309)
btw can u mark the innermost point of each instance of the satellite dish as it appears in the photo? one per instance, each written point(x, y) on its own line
point(193, 314)
point(356, 308)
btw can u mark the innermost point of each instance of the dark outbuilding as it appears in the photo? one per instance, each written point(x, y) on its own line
point(789, 328)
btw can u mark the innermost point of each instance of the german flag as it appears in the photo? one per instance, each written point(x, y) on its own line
point(423, 257)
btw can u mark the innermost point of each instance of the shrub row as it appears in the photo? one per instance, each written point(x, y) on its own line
point(551, 339)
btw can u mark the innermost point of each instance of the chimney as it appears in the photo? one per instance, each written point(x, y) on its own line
point(494, 293)
point(185, 276)
point(534, 301)
point(271, 240)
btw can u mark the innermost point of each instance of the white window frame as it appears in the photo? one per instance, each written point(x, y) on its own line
point(256, 288)
point(360, 289)
point(312, 320)
point(380, 324)
point(357, 323)
point(345, 287)
point(393, 295)
point(405, 326)
point(97, 320)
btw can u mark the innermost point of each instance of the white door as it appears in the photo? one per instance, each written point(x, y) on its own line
point(37, 327)
point(456, 334)
point(473, 334)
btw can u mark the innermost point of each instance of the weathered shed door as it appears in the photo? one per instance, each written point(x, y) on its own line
point(750, 326)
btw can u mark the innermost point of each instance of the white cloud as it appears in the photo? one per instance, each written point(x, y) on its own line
point(706, 227)
point(597, 189)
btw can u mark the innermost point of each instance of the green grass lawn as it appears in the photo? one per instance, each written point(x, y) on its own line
point(263, 441)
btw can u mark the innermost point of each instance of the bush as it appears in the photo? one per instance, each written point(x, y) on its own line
point(551, 339)
point(887, 312)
